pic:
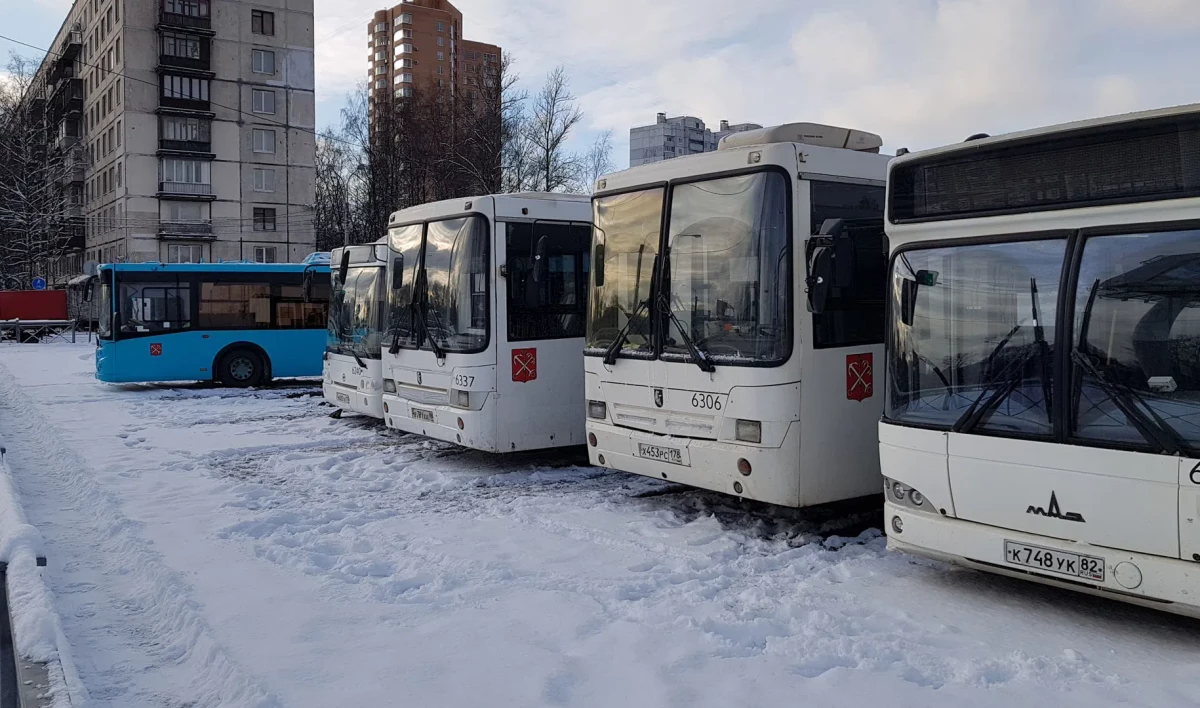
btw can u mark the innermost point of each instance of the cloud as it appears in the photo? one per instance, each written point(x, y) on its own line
point(919, 72)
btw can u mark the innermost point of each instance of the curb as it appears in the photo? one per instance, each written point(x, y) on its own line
point(45, 672)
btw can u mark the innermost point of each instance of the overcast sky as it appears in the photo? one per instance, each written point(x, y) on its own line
point(920, 73)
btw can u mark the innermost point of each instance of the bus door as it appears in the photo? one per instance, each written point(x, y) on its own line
point(542, 322)
point(840, 401)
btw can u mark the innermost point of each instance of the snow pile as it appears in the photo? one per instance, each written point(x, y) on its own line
point(37, 630)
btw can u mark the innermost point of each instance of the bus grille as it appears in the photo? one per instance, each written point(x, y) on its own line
point(429, 397)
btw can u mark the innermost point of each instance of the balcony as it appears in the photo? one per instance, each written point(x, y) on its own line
point(185, 229)
point(72, 46)
point(172, 20)
point(185, 189)
point(184, 104)
point(190, 63)
point(67, 100)
point(197, 146)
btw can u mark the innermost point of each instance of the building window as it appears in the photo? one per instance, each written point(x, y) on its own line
point(183, 129)
point(179, 253)
point(184, 87)
point(191, 8)
point(182, 171)
point(183, 211)
point(185, 46)
point(441, 69)
point(263, 101)
point(405, 19)
point(381, 27)
point(264, 141)
point(264, 219)
point(264, 254)
point(262, 61)
point(262, 22)
point(441, 27)
point(441, 56)
point(264, 180)
point(119, 175)
point(441, 41)
point(381, 83)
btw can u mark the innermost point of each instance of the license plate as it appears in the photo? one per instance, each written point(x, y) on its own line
point(343, 397)
point(662, 454)
point(419, 414)
point(1050, 560)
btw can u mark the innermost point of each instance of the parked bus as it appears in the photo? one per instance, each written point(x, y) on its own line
point(357, 313)
point(487, 304)
point(240, 324)
point(1043, 379)
point(709, 361)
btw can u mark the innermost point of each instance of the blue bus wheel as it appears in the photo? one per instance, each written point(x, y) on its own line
point(242, 368)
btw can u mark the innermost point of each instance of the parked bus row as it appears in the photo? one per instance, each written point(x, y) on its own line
point(1003, 334)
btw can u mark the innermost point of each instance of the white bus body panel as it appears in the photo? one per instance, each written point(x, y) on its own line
point(1137, 508)
point(817, 445)
point(352, 387)
point(507, 413)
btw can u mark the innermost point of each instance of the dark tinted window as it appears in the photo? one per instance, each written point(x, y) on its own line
point(853, 316)
point(554, 306)
point(235, 305)
point(152, 303)
point(1139, 161)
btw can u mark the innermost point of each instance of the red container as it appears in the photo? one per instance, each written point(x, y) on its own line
point(33, 305)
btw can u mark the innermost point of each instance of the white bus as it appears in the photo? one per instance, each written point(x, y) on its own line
point(353, 379)
point(487, 301)
point(709, 360)
point(1042, 415)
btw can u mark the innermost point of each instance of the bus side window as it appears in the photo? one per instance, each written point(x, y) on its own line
point(854, 316)
point(551, 306)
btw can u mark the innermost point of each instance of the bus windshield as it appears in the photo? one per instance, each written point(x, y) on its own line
point(442, 302)
point(727, 281)
point(627, 226)
point(730, 275)
point(355, 314)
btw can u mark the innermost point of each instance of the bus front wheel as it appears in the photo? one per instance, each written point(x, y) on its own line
point(242, 368)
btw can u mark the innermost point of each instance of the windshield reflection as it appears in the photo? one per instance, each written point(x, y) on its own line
point(356, 314)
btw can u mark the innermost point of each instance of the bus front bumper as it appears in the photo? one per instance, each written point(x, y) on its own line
point(353, 400)
point(1168, 584)
point(461, 426)
point(773, 477)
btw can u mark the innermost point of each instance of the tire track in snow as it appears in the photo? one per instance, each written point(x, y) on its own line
point(174, 660)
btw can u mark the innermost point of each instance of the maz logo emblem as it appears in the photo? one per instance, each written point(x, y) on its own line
point(1054, 512)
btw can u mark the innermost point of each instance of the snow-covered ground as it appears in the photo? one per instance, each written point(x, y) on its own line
point(224, 548)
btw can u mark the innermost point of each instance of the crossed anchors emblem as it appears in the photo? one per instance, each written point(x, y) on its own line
point(859, 377)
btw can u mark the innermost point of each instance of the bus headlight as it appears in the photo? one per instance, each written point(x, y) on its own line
point(597, 410)
point(748, 431)
point(461, 399)
point(389, 386)
point(905, 495)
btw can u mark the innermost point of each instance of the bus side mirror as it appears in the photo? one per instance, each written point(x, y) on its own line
point(88, 288)
point(397, 272)
point(344, 267)
point(307, 286)
point(540, 264)
point(598, 264)
point(820, 278)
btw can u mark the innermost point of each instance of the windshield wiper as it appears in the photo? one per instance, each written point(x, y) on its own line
point(1150, 426)
point(419, 311)
point(700, 359)
point(610, 354)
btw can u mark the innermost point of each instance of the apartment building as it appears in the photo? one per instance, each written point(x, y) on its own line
point(195, 121)
point(674, 137)
point(419, 43)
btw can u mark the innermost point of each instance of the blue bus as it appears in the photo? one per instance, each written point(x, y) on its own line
point(238, 324)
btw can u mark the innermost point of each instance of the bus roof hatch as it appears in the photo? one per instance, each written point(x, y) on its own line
point(807, 133)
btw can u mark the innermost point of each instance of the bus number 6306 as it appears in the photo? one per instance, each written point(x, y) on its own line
point(706, 401)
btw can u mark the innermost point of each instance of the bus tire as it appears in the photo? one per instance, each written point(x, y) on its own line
point(242, 368)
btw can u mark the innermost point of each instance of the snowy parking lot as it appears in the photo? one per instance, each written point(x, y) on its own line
point(212, 547)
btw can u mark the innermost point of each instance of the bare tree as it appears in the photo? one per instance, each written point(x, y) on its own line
point(552, 118)
point(597, 162)
point(40, 163)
